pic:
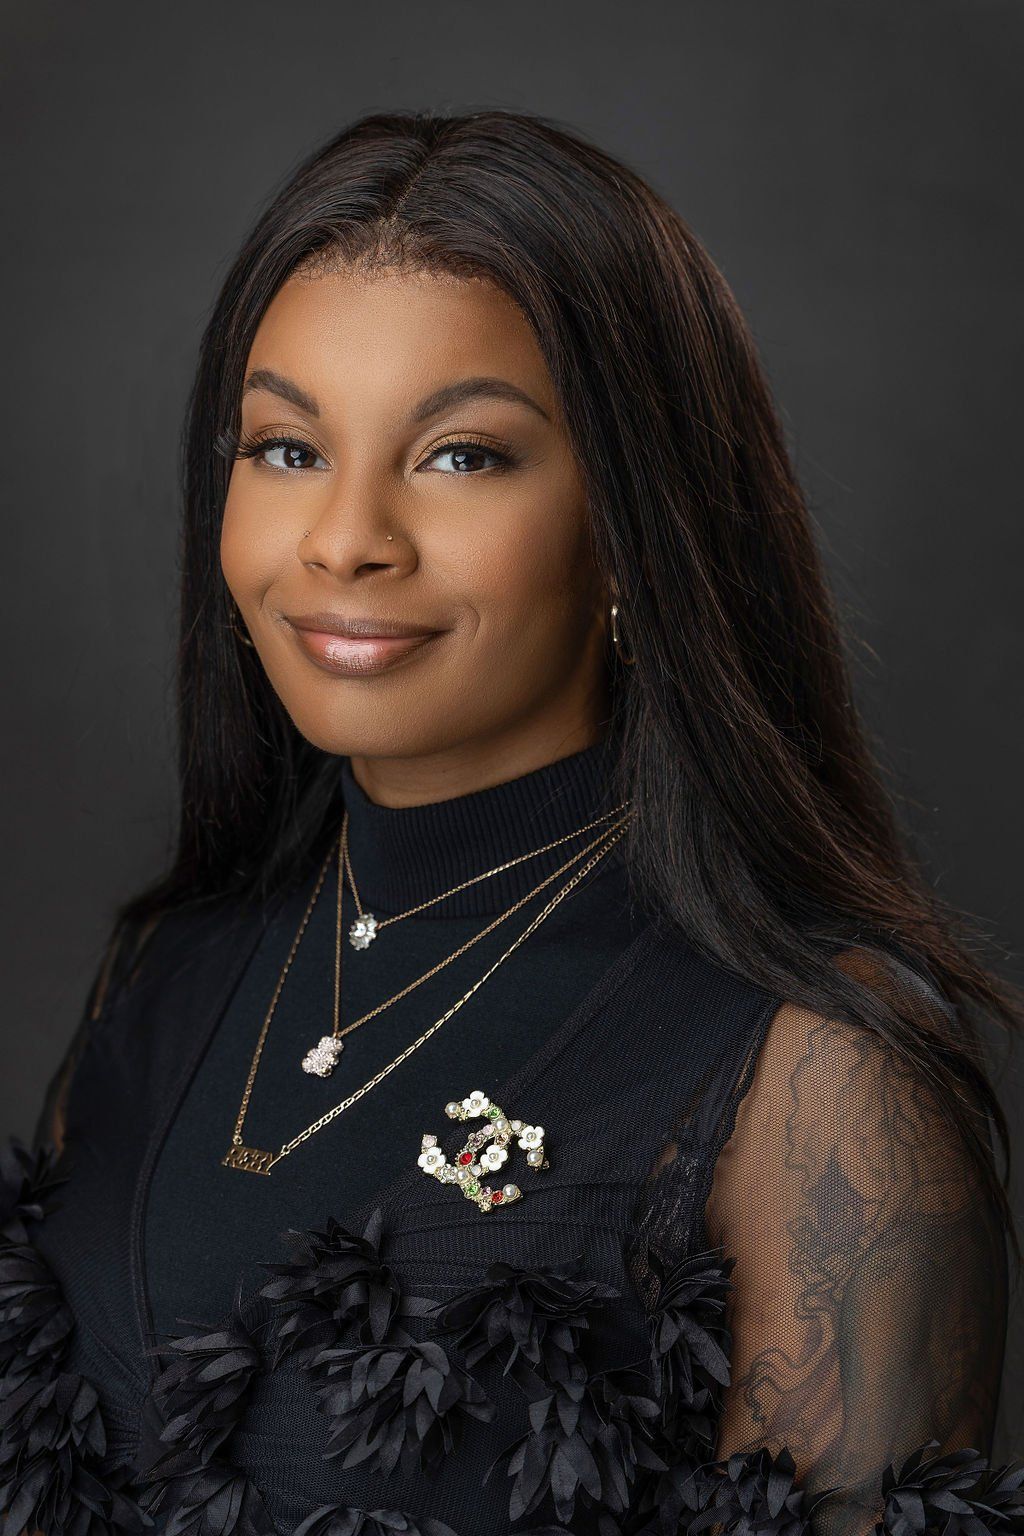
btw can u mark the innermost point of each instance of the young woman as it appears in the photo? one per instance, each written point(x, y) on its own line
point(543, 1095)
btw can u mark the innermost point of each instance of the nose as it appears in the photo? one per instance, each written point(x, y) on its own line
point(349, 544)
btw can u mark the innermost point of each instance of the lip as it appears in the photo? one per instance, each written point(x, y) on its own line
point(357, 647)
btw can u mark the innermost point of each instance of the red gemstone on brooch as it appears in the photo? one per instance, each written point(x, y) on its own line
point(497, 1197)
point(465, 1157)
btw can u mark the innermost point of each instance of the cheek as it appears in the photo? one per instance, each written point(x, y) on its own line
point(252, 547)
point(532, 559)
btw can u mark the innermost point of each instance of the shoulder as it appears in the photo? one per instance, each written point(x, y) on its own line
point(833, 1104)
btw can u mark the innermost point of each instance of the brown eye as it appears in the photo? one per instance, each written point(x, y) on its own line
point(465, 457)
point(294, 453)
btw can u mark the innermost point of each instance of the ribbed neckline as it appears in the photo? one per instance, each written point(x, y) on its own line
point(402, 856)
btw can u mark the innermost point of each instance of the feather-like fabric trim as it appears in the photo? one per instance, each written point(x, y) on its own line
point(56, 1475)
point(690, 1341)
point(336, 1279)
point(197, 1401)
point(28, 1181)
point(35, 1322)
point(754, 1493)
point(958, 1494)
point(200, 1394)
point(394, 1403)
point(215, 1500)
point(342, 1520)
point(536, 1315)
point(589, 1438)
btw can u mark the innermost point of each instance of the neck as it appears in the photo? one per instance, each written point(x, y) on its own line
point(403, 855)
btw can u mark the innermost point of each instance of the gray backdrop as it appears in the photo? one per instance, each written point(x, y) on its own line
point(851, 168)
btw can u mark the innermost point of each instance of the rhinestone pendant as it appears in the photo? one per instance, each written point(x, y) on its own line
point(363, 931)
point(324, 1056)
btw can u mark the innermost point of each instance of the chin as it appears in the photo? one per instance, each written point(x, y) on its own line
point(367, 732)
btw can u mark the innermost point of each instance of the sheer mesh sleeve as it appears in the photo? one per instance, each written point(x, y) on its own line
point(868, 1302)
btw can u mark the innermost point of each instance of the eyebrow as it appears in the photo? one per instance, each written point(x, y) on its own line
point(443, 399)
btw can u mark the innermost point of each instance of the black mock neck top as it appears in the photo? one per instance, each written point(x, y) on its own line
point(206, 1223)
point(752, 1288)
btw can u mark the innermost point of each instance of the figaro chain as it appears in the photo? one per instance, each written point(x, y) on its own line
point(259, 1160)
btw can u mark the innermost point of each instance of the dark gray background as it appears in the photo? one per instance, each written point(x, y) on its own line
point(852, 168)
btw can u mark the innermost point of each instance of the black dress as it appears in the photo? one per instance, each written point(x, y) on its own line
point(751, 1286)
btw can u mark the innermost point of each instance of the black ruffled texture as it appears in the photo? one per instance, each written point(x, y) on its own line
point(56, 1474)
point(201, 1393)
point(337, 1279)
point(617, 1452)
point(198, 1400)
point(35, 1322)
point(958, 1494)
point(589, 1438)
point(535, 1316)
point(754, 1492)
point(690, 1342)
point(217, 1500)
point(392, 1403)
point(342, 1520)
point(689, 1365)
point(28, 1181)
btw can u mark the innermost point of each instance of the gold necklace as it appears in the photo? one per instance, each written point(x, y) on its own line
point(258, 1160)
point(322, 1058)
point(366, 927)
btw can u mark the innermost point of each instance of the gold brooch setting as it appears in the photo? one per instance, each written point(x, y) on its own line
point(485, 1151)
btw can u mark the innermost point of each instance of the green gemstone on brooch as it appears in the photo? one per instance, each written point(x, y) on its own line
point(471, 1187)
point(494, 1113)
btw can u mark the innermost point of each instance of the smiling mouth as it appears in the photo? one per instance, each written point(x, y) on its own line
point(359, 656)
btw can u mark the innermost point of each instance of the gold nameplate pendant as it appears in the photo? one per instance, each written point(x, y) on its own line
point(249, 1159)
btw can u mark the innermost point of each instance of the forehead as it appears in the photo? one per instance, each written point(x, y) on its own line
point(388, 338)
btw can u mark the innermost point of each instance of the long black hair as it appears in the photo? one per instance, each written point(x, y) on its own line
point(762, 825)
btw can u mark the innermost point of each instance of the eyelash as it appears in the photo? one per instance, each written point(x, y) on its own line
point(245, 446)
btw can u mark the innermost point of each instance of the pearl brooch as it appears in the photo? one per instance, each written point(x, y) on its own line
point(476, 1158)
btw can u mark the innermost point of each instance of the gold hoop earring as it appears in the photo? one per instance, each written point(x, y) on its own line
point(627, 661)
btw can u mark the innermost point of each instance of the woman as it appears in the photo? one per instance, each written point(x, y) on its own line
point(542, 1095)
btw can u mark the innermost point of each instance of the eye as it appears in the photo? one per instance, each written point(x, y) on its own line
point(293, 452)
point(465, 457)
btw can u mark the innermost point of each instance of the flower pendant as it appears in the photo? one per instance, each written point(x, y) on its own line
point(363, 931)
point(473, 1161)
point(324, 1056)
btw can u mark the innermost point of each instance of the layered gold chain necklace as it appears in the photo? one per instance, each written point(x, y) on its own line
point(323, 1057)
point(258, 1160)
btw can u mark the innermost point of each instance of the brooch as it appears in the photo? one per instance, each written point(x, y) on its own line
point(473, 1162)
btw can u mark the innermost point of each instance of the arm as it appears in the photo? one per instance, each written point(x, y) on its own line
point(868, 1312)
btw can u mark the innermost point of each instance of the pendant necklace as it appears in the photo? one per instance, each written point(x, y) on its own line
point(321, 1059)
point(366, 926)
point(259, 1160)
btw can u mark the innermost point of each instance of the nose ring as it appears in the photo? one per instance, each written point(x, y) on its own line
point(306, 535)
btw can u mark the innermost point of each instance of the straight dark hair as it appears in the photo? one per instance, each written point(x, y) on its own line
point(763, 829)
